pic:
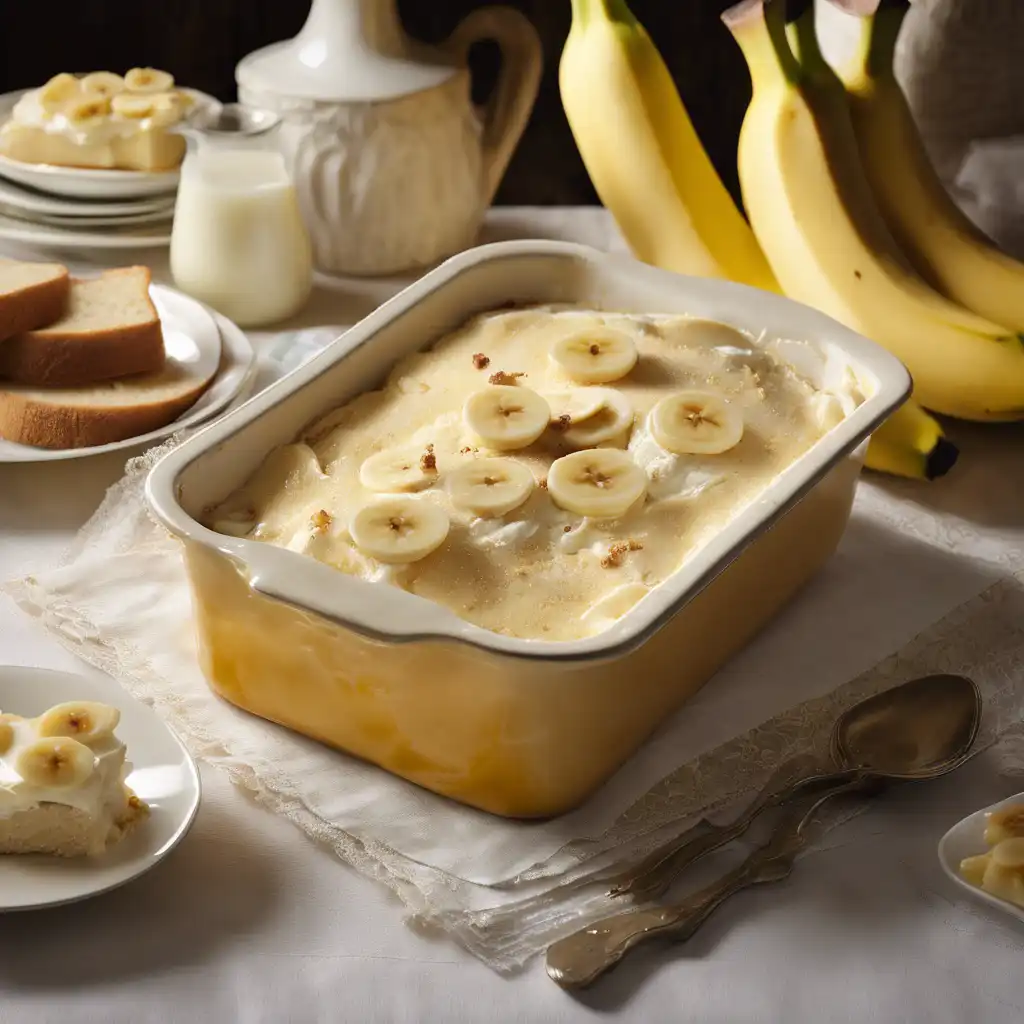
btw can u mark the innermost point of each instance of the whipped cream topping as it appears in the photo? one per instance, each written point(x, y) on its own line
point(537, 571)
point(103, 789)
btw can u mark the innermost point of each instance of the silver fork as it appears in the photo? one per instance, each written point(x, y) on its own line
point(581, 958)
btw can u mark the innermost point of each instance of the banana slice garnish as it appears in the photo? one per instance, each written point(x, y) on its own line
point(6, 735)
point(133, 108)
point(398, 470)
point(696, 423)
point(84, 720)
point(103, 83)
point(602, 483)
point(603, 612)
point(612, 421)
point(56, 762)
point(1005, 882)
point(577, 404)
point(596, 356)
point(1005, 824)
point(399, 529)
point(490, 487)
point(148, 80)
point(505, 417)
point(87, 110)
point(58, 91)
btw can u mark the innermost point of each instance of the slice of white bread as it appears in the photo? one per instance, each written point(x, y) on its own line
point(31, 295)
point(111, 329)
point(112, 411)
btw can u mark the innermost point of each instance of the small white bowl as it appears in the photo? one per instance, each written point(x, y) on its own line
point(966, 839)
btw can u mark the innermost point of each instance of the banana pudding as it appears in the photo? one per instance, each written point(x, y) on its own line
point(1000, 871)
point(540, 471)
point(101, 120)
point(62, 782)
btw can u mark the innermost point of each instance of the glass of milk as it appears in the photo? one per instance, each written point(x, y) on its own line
point(238, 242)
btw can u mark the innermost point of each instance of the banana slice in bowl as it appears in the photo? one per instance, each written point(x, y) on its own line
point(148, 80)
point(399, 529)
point(596, 356)
point(398, 470)
point(602, 483)
point(103, 83)
point(487, 488)
point(575, 404)
point(505, 416)
point(696, 423)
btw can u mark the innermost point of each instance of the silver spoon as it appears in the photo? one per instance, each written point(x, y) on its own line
point(581, 958)
point(919, 730)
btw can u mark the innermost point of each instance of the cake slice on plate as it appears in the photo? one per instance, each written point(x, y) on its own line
point(62, 782)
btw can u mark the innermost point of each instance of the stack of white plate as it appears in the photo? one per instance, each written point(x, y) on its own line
point(68, 208)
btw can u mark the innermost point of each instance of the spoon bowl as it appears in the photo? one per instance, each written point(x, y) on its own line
point(919, 730)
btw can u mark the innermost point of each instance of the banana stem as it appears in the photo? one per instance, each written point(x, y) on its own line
point(759, 26)
point(613, 10)
point(879, 40)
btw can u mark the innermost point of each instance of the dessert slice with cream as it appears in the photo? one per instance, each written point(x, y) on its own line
point(62, 782)
point(101, 120)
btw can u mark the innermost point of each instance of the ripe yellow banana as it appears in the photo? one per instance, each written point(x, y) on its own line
point(651, 171)
point(816, 219)
point(643, 154)
point(940, 240)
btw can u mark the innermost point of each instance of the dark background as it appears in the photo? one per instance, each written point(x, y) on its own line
point(200, 41)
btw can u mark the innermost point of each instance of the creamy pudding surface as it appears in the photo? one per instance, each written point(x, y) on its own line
point(539, 471)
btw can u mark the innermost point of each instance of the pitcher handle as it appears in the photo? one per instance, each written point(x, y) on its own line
point(507, 111)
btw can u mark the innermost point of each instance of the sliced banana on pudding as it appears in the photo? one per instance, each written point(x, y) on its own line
point(397, 470)
point(58, 91)
point(56, 762)
point(490, 487)
point(84, 720)
point(602, 483)
point(696, 423)
point(505, 416)
point(399, 529)
point(87, 110)
point(133, 108)
point(148, 80)
point(614, 605)
point(576, 404)
point(103, 83)
point(596, 356)
point(611, 422)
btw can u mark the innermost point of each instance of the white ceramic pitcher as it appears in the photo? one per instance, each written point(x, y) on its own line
point(394, 166)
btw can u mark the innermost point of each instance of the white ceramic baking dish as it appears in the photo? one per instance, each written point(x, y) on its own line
point(517, 727)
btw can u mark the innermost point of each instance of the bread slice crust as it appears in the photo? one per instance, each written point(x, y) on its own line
point(25, 307)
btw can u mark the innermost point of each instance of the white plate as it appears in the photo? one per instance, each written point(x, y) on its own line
point(41, 236)
point(86, 182)
point(965, 839)
point(19, 197)
point(163, 774)
point(191, 332)
point(86, 222)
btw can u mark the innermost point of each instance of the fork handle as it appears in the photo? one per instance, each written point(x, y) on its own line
point(580, 959)
point(653, 875)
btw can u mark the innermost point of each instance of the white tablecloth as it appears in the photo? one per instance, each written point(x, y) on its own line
point(248, 921)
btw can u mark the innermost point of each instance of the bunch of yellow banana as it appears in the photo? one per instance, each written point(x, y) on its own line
point(651, 171)
point(818, 222)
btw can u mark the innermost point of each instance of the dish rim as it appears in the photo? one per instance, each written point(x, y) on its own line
point(376, 612)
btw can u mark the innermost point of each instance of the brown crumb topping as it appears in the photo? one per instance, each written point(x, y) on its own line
point(563, 423)
point(467, 450)
point(428, 460)
point(321, 520)
point(543, 483)
point(480, 361)
point(618, 551)
point(504, 377)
